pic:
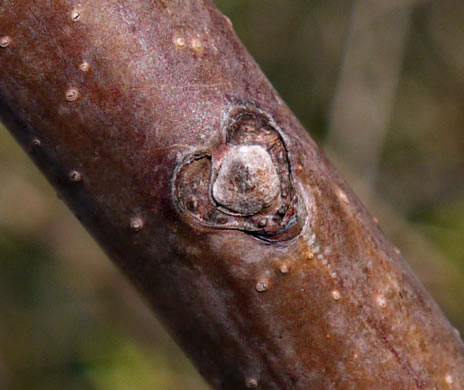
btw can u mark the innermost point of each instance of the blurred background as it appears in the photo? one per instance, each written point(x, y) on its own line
point(380, 86)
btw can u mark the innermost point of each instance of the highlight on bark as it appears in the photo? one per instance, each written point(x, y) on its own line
point(169, 144)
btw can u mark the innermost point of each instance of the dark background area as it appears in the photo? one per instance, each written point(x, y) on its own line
point(379, 86)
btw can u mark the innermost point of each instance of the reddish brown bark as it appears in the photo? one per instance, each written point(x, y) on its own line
point(135, 110)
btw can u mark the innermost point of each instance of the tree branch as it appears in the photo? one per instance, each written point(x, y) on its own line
point(168, 143)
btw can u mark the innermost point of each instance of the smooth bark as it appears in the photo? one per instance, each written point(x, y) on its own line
point(169, 144)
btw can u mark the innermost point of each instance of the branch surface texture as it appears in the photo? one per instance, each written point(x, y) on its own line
point(172, 148)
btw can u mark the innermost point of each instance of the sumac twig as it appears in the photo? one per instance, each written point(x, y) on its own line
point(166, 140)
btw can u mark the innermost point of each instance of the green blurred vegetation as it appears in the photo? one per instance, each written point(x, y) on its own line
point(68, 320)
